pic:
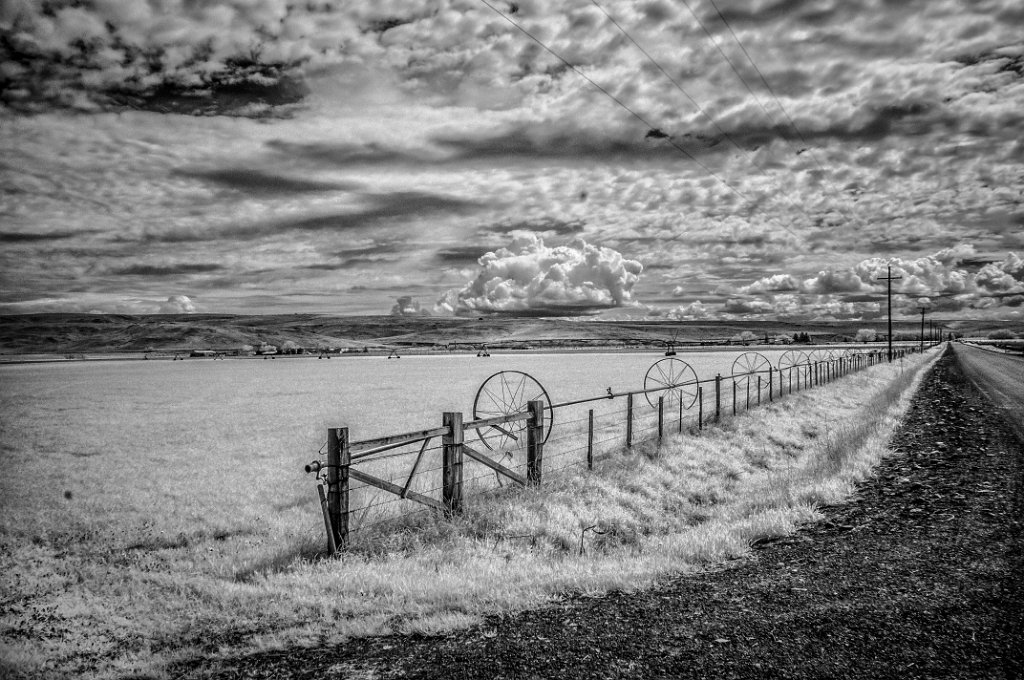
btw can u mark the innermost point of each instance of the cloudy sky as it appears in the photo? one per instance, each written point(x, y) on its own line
point(650, 158)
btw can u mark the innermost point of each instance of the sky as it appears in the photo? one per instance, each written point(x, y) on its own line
point(649, 159)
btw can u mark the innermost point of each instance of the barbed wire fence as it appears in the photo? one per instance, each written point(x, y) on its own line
point(373, 487)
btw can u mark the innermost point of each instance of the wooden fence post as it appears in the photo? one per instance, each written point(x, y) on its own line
point(771, 381)
point(734, 396)
point(718, 397)
point(629, 421)
point(661, 415)
point(680, 411)
point(332, 547)
point(338, 459)
point(590, 439)
point(535, 443)
point(451, 473)
point(700, 407)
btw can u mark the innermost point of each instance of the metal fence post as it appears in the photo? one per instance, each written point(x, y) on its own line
point(451, 463)
point(535, 443)
point(338, 459)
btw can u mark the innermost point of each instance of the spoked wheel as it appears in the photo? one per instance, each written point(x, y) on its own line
point(819, 355)
point(747, 367)
point(791, 358)
point(674, 374)
point(507, 393)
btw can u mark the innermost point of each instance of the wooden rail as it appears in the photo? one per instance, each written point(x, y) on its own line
point(343, 455)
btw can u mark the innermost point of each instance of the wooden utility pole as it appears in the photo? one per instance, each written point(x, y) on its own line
point(889, 278)
point(923, 309)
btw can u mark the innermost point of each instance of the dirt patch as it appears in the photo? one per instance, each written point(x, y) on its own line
point(922, 576)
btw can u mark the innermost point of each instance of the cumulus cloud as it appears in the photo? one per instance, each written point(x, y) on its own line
point(531, 277)
point(775, 282)
point(178, 304)
point(742, 307)
point(1003, 278)
point(694, 310)
point(943, 281)
point(407, 306)
point(454, 120)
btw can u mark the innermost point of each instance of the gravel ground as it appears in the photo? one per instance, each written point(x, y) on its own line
point(921, 576)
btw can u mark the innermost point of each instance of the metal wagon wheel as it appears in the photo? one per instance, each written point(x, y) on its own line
point(675, 374)
point(747, 366)
point(791, 358)
point(504, 394)
point(819, 355)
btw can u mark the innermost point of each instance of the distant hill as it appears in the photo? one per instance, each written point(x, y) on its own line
point(75, 333)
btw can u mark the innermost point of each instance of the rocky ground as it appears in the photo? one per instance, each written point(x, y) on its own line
point(921, 576)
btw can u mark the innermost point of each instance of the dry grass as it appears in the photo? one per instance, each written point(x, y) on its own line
point(103, 601)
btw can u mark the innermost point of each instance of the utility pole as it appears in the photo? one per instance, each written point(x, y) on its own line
point(923, 308)
point(889, 278)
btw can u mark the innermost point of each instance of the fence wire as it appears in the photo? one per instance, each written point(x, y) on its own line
point(580, 435)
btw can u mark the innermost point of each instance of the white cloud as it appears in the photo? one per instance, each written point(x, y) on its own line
point(532, 277)
point(407, 306)
point(692, 311)
point(177, 304)
point(1006, 277)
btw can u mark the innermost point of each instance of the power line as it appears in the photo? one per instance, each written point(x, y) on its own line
point(696, 104)
point(725, 56)
point(743, 80)
point(778, 102)
point(618, 101)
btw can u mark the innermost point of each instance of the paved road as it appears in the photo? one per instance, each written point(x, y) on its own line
point(1000, 377)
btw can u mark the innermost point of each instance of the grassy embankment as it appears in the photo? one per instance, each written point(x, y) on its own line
point(95, 608)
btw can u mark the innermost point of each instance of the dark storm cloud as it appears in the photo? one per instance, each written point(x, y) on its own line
point(539, 311)
point(375, 253)
point(460, 256)
point(167, 270)
point(560, 140)
point(19, 237)
point(340, 154)
point(790, 10)
point(384, 209)
point(547, 225)
point(259, 182)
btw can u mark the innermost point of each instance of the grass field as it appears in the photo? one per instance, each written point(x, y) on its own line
point(89, 591)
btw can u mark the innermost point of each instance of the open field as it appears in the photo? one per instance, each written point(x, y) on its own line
point(61, 334)
point(120, 557)
point(919, 576)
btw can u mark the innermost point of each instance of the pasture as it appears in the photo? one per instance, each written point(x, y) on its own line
point(159, 509)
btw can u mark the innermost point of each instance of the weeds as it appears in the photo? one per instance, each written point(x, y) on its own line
point(115, 604)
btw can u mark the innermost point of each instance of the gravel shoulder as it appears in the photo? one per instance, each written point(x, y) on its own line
point(920, 576)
